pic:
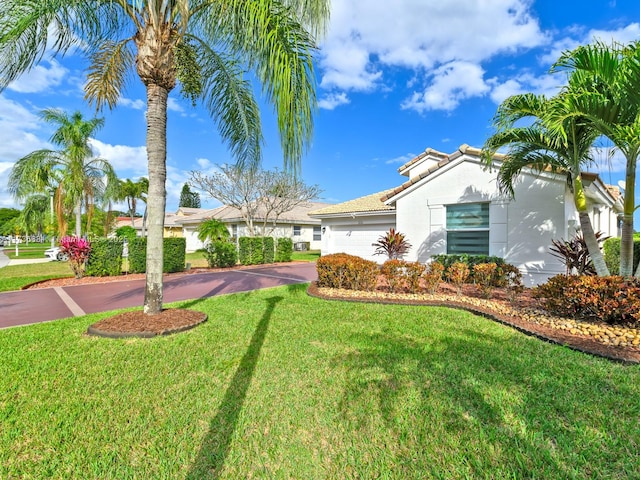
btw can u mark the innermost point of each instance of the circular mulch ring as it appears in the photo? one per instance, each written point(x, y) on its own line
point(138, 324)
point(493, 310)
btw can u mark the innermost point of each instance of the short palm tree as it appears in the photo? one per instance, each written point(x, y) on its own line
point(565, 149)
point(212, 229)
point(604, 86)
point(205, 45)
point(77, 177)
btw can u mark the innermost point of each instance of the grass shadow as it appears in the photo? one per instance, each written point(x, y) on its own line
point(215, 446)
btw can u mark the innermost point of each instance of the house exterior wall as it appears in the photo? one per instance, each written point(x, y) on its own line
point(520, 229)
point(355, 236)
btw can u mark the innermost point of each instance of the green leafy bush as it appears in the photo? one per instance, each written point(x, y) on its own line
point(173, 255)
point(612, 299)
point(221, 254)
point(126, 231)
point(611, 248)
point(268, 250)
point(251, 250)
point(284, 249)
point(433, 276)
point(105, 258)
point(340, 270)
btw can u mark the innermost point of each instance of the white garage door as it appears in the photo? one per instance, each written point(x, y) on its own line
point(358, 240)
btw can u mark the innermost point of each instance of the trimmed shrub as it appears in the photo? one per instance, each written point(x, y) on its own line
point(457, 274)
point(611, 248)
point(250, 250)
point(483, 275)
point(268, 249)
point(470, 260)
point(393, 272)
point(126, 231)
point(173, 255)
point(433, 276)
point(340, 270)
point(105, 258)
point(284, 249)
point(221, 253)
point(413, 272)
point(613, 300)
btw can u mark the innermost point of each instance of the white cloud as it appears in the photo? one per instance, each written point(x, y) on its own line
point(136, 104)
point(123, 158)
point(333, 100)
point(173, 105)
point(401, 159)
point(44, 76)
point(547, 85)
point(363, 40)
point(450, 84)
point(18, 127)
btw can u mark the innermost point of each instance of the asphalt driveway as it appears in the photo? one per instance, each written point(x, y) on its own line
point(25, 307)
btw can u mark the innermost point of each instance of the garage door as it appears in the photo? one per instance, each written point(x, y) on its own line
point(357, 240)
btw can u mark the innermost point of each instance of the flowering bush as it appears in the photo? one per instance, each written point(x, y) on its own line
point(78, 250)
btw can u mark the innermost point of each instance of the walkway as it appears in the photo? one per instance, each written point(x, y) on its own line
point(25, 307)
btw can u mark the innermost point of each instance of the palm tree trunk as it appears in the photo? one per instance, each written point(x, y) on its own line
point(626, 236)
point(156, 154)
point(79, 218)
point(144, 222)
point(592, 245)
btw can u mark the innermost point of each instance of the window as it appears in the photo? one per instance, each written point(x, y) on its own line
point(234, 231)
point(317, 233)
point(297, 230)
point(468, 228)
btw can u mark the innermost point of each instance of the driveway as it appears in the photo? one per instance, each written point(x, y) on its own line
point(26, 307)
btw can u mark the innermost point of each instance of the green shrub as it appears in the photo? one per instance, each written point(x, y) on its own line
point(470, 260)
point(611, 248)
point(340, 270)
point(433, 276)
point(105, 258)
point(174, 250)
point(284, 249)
point(268, 250)
point(251, 250)
point(221, 253)
point(612, 299)
point(127, 232)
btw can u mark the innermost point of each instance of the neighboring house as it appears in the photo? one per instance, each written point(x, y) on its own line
point(171, 227)
point(451, 204)
point(295, 224)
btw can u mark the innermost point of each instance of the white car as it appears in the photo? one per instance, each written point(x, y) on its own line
point(55, 253)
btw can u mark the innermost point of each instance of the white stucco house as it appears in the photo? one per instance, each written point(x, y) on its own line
point(451, 204)
point(295, 224)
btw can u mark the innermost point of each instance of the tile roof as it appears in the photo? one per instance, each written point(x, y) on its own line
point(368, 204)
point(229, 214)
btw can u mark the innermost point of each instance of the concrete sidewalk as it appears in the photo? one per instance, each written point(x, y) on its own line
point(26, 307)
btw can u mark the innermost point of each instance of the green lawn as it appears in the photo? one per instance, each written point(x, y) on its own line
point(33, 250)
point(308, 256)
point(280, 385)
point(14, 277)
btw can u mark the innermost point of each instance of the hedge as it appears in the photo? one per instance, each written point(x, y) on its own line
point(173, 255)
point(611, 247)
point(284, 249)
point(105, 258)
point(221, 253)
point(340, 270)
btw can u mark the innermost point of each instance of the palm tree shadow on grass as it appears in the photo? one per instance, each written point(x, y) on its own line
point(215, 446)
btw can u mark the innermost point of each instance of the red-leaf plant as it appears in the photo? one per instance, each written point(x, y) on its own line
point(393, 244)
point(78, 250)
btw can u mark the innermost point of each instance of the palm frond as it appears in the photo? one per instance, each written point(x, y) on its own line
point(107, 75)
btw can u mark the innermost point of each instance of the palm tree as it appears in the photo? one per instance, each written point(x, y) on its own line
point(565, 149)
point(77, 177)
point(604, 86)
point(35, 212)
point(206, 46)
point(131, 192)
point(212, 229)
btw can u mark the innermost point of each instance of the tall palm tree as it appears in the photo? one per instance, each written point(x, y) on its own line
point(206, 46)
point(77, 176)
point(604, 86)
point(566, 149)
point(35, 212)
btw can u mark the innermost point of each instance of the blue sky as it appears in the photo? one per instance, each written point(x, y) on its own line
point(394, 78)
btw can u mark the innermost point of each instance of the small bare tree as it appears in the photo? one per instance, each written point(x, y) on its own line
point(261, 196)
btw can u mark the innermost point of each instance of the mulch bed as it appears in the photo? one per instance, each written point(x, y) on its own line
point(516, 316)
point(138, 324)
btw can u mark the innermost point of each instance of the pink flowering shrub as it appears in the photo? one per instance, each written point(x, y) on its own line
point(78, 250)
